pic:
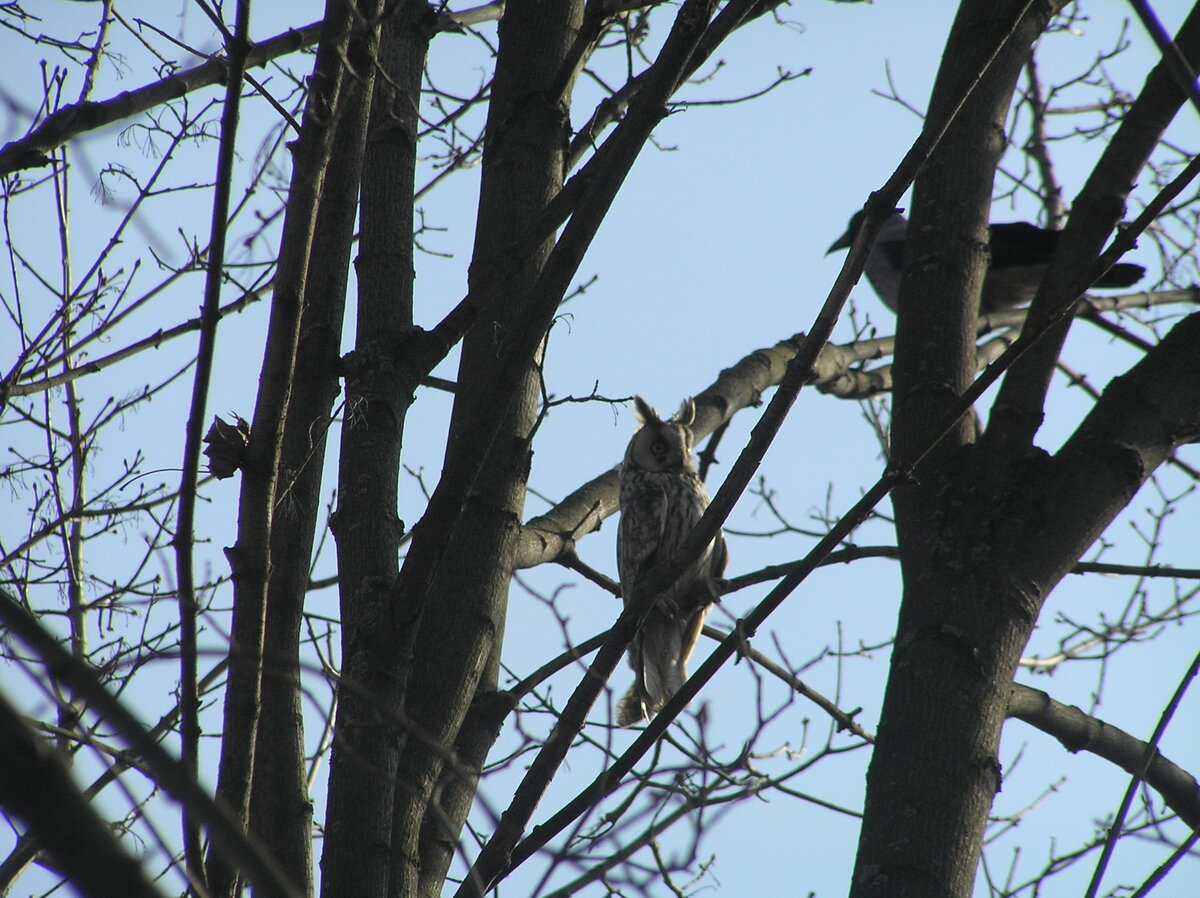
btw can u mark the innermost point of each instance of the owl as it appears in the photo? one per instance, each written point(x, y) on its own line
point(661, 499)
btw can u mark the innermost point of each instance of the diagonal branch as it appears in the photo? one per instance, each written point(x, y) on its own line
point(549, 537)
point(28, 845)
point(36, 786)
point(1019, 407)
point(1078, 731)
point(72, 121)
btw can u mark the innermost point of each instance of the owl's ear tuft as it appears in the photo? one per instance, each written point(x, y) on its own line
point(644, 411)
point(687, 412)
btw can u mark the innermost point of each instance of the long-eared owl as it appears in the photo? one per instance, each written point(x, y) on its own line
point(662, 498)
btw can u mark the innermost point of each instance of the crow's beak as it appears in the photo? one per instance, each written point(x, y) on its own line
point(842, 242)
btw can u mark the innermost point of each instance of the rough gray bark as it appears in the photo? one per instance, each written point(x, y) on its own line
point(356, 860)
point(934, 771)
point(280, 811)
point(1078, 731)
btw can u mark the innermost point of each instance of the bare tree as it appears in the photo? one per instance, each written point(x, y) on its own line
point(440, 743)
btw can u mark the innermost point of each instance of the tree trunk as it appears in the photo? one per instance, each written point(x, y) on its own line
point(250, 557)
point(934, 771)
point(280, 809)
point(457, 650)
point(990, 528)
point(356, 860)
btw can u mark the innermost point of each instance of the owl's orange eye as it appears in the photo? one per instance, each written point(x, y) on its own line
point(658, 447)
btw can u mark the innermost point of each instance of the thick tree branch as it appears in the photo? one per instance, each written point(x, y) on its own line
point(1139, 420)
point(36, 786)
point(281, 812)
point(933, 772)
point(1018, 411)
point(450, 605)
point(1078, 732)
point(420, 353)
point(1181, 64)
point(649, 107)
point(546, 537)
point(72, 121)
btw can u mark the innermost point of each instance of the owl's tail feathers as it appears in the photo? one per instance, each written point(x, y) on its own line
point(659, 670)
point(632, 708)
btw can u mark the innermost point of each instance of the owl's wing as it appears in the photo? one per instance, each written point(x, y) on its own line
point(640, 534)
point(716, 564)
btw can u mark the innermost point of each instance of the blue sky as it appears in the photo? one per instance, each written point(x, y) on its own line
point(715, 247)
